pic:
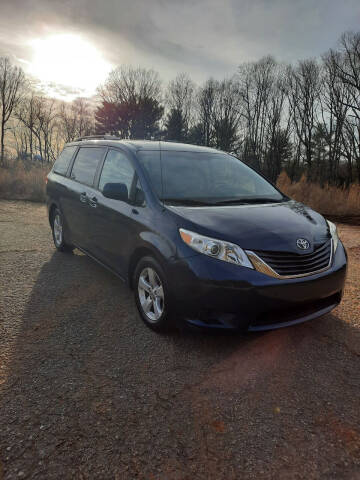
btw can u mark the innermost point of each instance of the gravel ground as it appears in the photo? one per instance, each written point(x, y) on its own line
point(87, 391)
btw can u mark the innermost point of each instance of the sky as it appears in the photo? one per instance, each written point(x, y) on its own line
point(72, 45)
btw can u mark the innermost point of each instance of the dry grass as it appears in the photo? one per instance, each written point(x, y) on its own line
point(21, 183)
point(330, 201)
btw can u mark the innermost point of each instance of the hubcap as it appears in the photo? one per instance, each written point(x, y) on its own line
point(57, 230)
point(151, 294)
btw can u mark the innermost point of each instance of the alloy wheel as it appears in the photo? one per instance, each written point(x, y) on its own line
point(151, 294)
point(58, 233)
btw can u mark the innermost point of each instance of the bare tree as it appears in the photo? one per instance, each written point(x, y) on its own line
point(131, 102)
point(179, 99)
point(265, 127)
point(348, 68)
point(205, 106)
point(256, 81)
point(226, 114)
point(303, 89)
point(346, 62)
point(334, 111)
point(48, 124)
point(76, 119)
point(27, 116)
point(40, 116)
point(11, 82)
point(127, 85)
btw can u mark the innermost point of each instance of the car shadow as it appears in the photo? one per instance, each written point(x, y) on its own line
point(89, 391)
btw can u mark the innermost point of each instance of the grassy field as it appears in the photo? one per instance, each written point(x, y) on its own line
point(21, 183)
point(330, 201)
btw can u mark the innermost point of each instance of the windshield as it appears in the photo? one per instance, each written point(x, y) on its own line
point(205, 178)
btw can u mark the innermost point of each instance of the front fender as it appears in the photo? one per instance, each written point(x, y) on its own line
point(160, 244)
point(152, 244)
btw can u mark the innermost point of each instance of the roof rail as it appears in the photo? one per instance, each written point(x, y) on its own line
point(97, 137)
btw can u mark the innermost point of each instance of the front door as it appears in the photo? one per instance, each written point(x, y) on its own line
point(114, 228)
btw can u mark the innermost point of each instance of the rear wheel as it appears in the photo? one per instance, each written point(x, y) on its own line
point(58, 232)
point(151, 294)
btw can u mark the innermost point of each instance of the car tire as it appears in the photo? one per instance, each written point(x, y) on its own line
point(57, 228)
point(152, 295)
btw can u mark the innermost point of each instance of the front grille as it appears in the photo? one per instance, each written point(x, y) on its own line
point(290, 264)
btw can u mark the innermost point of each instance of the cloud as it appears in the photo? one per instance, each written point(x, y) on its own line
point(204, 37)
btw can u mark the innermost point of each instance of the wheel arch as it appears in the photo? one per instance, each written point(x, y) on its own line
point(137, 255)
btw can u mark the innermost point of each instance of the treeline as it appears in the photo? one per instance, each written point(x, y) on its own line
point(303, 118)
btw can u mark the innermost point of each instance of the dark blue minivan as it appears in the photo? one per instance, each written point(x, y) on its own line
point(198, 235)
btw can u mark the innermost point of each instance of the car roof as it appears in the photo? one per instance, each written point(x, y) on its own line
point(138, 145)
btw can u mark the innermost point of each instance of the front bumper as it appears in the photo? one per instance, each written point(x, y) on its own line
point(214, 294)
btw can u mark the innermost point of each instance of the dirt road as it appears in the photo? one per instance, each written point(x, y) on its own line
point(86, 391)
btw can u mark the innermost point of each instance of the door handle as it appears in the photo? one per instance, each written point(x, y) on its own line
point(93, 202)
point(83, 197)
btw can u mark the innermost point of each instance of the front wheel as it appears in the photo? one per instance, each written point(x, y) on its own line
point(151, 294)
point(57, 228)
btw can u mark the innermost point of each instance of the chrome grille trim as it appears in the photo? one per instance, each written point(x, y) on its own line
point(261, 266)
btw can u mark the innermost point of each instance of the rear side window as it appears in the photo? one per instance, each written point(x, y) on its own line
point(86, 163)
point(117, 169)
point(62, 163)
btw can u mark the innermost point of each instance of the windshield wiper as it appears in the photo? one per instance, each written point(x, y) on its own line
point(193, 202)
point(248, 200)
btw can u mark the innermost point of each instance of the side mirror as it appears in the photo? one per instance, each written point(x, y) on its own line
point(116, 191)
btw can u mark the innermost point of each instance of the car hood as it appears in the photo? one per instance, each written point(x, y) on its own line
point(272, 227)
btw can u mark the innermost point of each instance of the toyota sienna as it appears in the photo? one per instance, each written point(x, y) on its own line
point(197, 234)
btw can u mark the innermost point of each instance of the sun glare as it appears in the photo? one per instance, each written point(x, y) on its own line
point(69, 61)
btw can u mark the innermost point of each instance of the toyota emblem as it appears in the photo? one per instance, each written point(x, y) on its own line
point(302, 243)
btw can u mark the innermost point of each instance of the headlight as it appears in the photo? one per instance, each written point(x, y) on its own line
point(228, 252)
point(334, 234)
